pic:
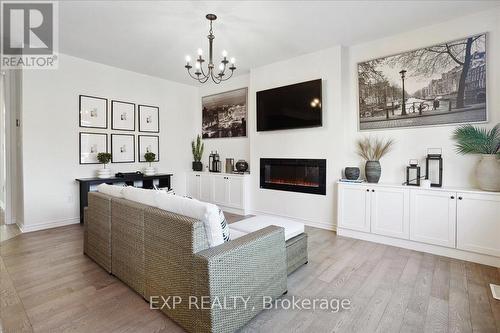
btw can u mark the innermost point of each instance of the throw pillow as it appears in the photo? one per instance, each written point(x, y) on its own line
point(224, 225)
point(112, 190)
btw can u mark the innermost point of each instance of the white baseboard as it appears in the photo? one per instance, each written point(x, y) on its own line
point(47, 225)
point(309, 223)
point(429, 248)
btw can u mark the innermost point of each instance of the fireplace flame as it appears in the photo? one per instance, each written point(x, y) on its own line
point(294, 182)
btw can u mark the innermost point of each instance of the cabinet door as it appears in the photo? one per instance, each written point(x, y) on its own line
point(220, 190)
point(193, 186)
point(478, 223)
point(390, 212)
point(235, 185)
point(433, 217)
point(205, 188)
point(354, 207)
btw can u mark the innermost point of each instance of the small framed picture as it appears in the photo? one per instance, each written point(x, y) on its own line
point(149, 144)
point(122, 148)
point(122, 116)
point(90, 145)
point(93, 111)
point(149, 119)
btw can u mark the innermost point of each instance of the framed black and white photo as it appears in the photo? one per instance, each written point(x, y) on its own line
point(122, 116)
point(90, 145)
point(435, 85)
point(224, 115)
point(93, 111)
point(122, 148)
point(149, 119)
point(149, 144)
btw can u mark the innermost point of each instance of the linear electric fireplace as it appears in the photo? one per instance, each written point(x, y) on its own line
point(292, 174)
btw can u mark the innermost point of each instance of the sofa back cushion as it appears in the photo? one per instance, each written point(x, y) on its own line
point(112, 190)
point(205, 212)
point(140, 195)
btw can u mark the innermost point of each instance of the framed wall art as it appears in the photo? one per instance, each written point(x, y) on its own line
point(149, 119)
point(93, 111)
point(149, 143)
point(435, 85)
point(122, 116)
point(90, 145)
point(122, 148)
point(224, 115)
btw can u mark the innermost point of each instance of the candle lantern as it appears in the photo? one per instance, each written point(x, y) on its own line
point(434, 167)
point(413, 173)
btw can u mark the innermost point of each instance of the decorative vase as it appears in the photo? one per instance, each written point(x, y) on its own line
point(197, 166)
point(241, 166)
point(104, 173)
point(488, 173)
point(372, 171)
point(351, 173)
point(149, 171)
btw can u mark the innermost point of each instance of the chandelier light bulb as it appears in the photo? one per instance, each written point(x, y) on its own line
point(200, 52)
point(233, 61)
point(197, 65)
point(188, 58)
point(224, 53)
point(221, 67)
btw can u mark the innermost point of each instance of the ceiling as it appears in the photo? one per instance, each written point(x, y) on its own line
point(153, 37)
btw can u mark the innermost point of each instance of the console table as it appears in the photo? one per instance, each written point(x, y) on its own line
point(164, 181)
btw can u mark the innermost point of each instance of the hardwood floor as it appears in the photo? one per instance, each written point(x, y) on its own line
point(48, 285)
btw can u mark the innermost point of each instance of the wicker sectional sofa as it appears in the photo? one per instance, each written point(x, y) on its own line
point(160, 254)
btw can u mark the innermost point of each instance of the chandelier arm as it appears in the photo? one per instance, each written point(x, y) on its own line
point(194, 77)
point(230, 75)
point(215, 79)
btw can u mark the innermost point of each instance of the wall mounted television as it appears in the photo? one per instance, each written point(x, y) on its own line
point(294, 106)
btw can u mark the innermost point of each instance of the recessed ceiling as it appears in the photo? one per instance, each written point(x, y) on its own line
point(153, 37)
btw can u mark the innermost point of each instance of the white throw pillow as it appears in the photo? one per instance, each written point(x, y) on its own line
point(224, 226)
point(140, 195)
point(112, 190)
point(205, 212)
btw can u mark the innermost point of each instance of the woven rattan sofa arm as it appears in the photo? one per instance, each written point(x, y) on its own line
point(239, 275)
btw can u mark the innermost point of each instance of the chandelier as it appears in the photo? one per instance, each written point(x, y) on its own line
point(218, 74)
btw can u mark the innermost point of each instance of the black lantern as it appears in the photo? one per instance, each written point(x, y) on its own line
point(434, 167)
point(413, 173)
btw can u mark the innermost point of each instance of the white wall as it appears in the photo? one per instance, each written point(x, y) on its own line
point(413, 142)
point(322, 143)
point(237, 148)
point(50, 140)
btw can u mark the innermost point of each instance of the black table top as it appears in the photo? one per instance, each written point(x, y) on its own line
point(126, 178)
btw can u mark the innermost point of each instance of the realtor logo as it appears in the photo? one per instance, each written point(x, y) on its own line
point(29, 34)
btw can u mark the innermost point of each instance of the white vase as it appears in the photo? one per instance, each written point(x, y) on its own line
point(150, 171)
point(104, 173)
point(488, 173)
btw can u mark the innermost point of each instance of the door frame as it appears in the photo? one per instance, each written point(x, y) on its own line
point(8, 81)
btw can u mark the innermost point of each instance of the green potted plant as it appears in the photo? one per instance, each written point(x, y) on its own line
point(104, 159)
point(150, 157)
point(372, 150)
point(197, 149)
point(486, 143)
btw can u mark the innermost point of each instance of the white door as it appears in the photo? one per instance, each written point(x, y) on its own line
point(220, 190)
point(235, 185)
point(390, 212)
point(193, 186)
point(206, 188)
point(433, 217)
point(354, 207)
point(478, 223)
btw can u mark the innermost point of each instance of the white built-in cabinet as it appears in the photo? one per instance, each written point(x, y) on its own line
point(225, 190)
point(424, 219)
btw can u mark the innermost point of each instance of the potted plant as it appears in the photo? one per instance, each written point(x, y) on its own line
point(197, 149)
point(150, 157)
point(104, 159)
point(372, 150)
point(478, 140)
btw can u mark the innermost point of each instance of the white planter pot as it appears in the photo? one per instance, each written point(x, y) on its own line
point(150, 171)
point(104, 173)
point(488, 173)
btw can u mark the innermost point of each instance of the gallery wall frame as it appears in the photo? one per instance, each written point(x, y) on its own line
point(149, 118)
point(123, 148)
point(435, 95)
point(90, 144)
point(123, 116)
point(92, 111)
point(153, 141)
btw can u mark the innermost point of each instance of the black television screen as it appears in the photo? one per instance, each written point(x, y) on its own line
point(294, 106)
